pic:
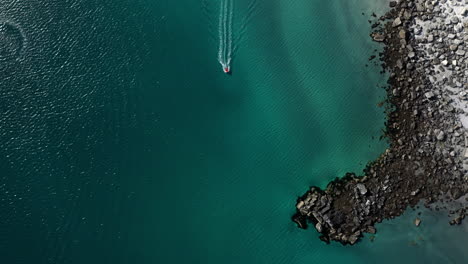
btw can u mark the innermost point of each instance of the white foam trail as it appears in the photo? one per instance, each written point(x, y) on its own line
point(229, 32)
point(220, 32)
point(225, 33)
point(225, 29)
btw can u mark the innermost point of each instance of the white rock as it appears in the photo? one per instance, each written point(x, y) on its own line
point(440, 136)
point(429, 95)
point(396, 22)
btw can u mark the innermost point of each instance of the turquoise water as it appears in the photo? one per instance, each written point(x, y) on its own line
point(123, 142)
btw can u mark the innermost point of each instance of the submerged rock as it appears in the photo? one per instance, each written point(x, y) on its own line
point(417, 222)
point(378, 37)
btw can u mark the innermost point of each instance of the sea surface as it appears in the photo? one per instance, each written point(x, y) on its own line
point(122, 141)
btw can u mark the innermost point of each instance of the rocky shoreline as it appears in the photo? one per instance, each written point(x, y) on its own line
point(427, 126)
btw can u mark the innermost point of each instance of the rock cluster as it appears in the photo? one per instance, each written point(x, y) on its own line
point(425, 52)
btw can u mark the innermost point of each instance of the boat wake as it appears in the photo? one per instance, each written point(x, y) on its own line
point(225, 34)
point(229, 31)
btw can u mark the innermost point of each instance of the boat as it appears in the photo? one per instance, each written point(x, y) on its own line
point(226, 69)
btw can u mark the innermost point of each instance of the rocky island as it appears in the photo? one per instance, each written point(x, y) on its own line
point(426, 54)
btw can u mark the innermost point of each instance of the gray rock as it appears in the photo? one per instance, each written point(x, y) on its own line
point(429, 95)
point(417, 30)
point(402, 34)
point(399, 64)
point(362, 188)
point(371, 230)
point(430, 38)
point(354, 237)
point(378, 37)
point(465, 12)
point(413, 193)
point(300, 204)
point(396, 22)
point(440, 136)
point(318, 226)
point(419, 7)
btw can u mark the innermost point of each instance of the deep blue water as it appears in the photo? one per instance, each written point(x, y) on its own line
point(122, 141)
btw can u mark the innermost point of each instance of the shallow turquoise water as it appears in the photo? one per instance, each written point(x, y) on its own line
point(122, 140)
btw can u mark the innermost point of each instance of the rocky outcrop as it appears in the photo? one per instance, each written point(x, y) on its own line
point(424, 42)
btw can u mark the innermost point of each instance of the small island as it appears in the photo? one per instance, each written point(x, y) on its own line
point(426, 54)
